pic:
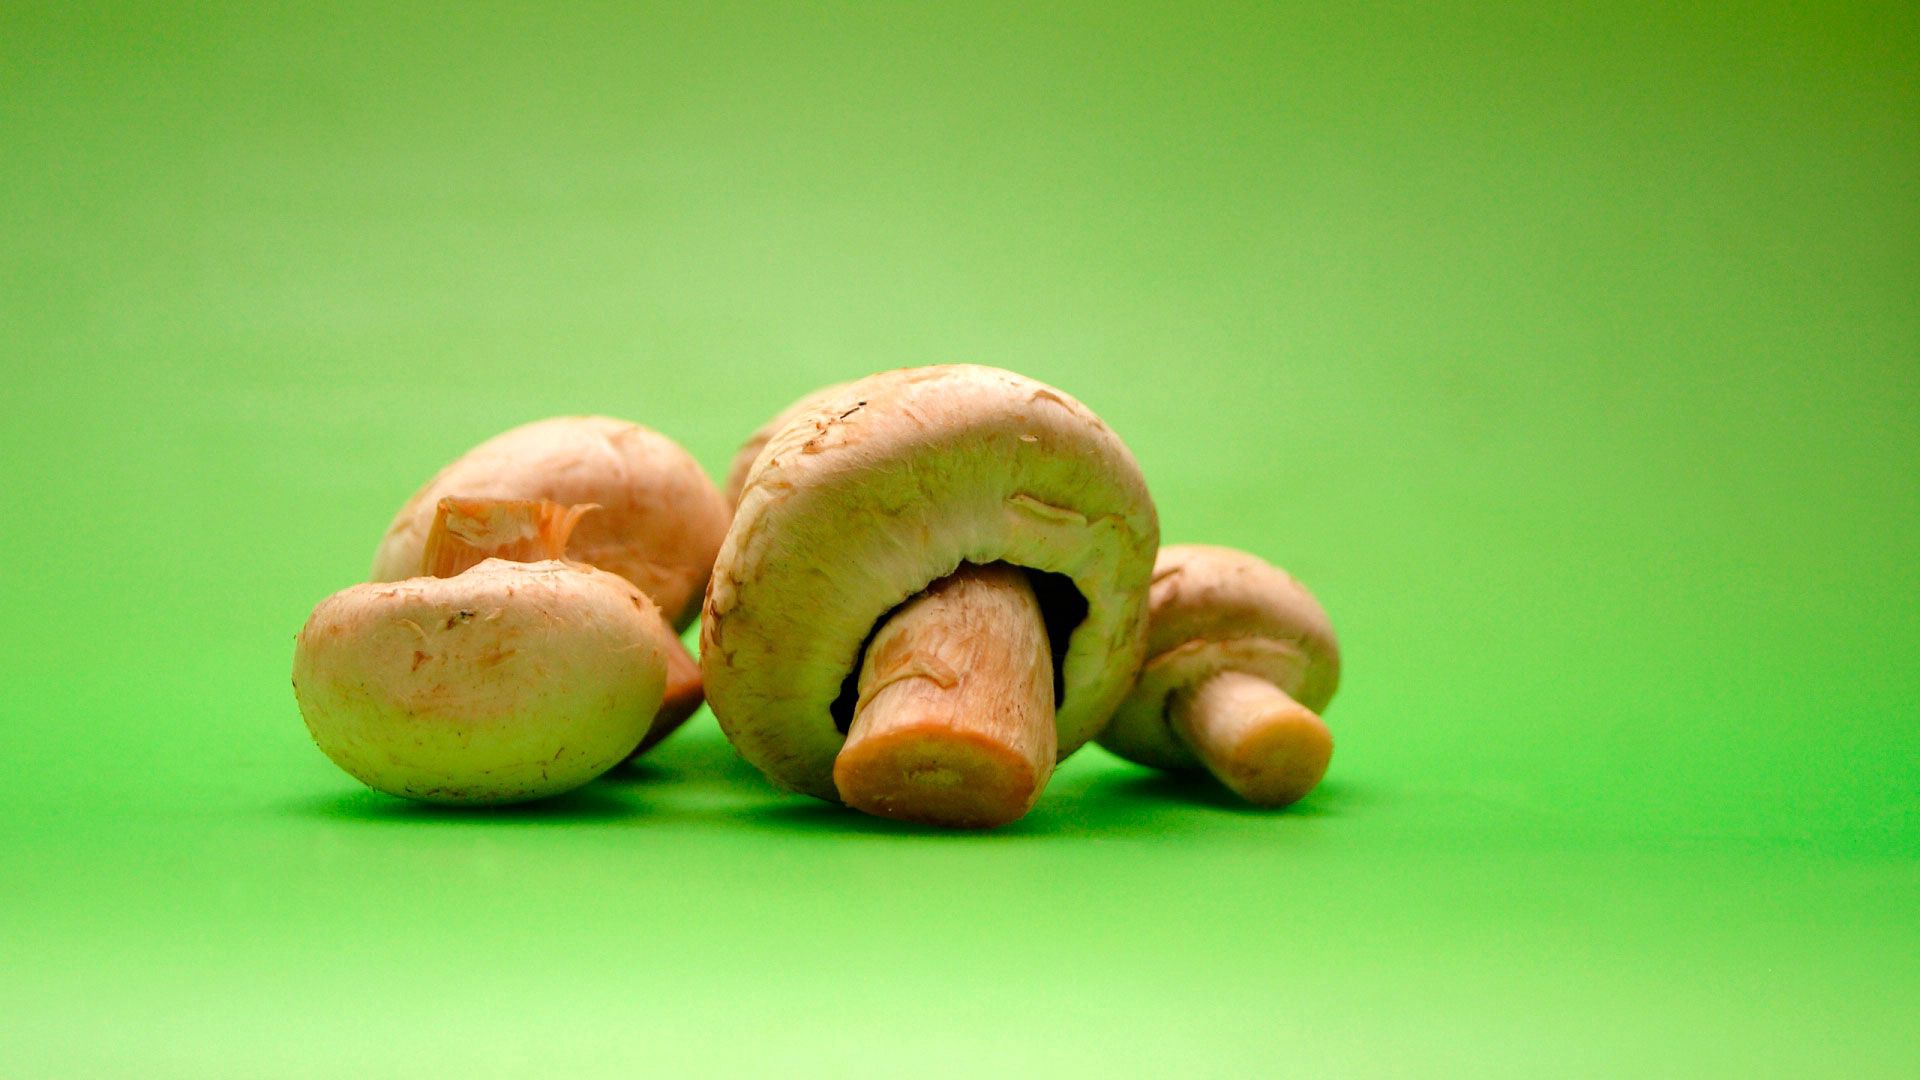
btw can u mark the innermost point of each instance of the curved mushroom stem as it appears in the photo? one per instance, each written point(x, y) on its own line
point(468, 531)
point(954, 724)
point(1267, 747)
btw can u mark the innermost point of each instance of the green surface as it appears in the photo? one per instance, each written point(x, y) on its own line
point(1573, 357)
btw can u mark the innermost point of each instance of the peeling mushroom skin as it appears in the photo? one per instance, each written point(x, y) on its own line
point(660, 520)
point(877, 490)
point(1241, 662)
point(507, 682)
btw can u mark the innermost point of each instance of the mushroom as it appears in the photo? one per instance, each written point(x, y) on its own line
point(1241, 660)
point(659, 523)
point(749, 451)
point(490, 680)
point(934, 588)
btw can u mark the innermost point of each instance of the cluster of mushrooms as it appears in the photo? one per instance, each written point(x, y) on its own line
point(922, 590)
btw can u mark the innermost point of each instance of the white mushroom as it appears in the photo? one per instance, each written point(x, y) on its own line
point(659, 523)
point(866, 636)
point(1241, 660)
point(502, 682)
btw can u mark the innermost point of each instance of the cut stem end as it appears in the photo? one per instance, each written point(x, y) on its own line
point(1250, 734)
point(935, 775)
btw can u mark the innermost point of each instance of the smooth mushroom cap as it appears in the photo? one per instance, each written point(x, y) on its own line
point(660, 520)
point(506, 682)
point(1217, 609)
point(893, 482)
point(749, 451)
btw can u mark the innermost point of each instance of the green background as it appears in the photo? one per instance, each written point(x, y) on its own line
point(1571, 356)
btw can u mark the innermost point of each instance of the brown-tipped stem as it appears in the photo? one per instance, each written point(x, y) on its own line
point(467, 532)
point(1267, 747)
point(954, 724)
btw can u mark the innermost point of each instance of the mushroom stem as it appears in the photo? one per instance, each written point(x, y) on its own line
point(954, 724)
point(1267, 747)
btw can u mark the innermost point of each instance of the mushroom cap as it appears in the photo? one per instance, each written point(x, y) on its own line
point(1217, 609)
point(878, 490)
point(660, 519)
point(749, 451)
point(506, 682)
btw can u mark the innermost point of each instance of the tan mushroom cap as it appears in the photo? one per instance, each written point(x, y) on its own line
point(1217, 609)
point(749, 451)
point(506, 682)
point(660, 520)
point(886, 486)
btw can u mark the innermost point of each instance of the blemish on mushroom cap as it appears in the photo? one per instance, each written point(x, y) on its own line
point(661, 518)
point(749, 452)
point(848, 512)
point(1218, 609)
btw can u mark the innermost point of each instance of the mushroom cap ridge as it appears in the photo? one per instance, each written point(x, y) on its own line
point(886, 486)
point(660, 519)
point(1218, 609)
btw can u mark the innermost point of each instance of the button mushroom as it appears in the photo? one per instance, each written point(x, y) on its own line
point(933, 589)
point(659, 523)
point(1241, 660)
point(497, 681)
